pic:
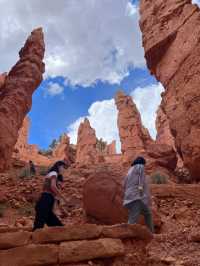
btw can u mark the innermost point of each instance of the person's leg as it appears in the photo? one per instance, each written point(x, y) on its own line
point(40, 217)
point(43, 209)
point(134, 209)
point(146, 211)
point(53, 220)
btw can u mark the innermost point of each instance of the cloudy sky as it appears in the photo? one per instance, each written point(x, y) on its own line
point(93, 48)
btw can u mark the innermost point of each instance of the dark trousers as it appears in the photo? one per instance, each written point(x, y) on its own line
point(44, 212)
point(137, 208)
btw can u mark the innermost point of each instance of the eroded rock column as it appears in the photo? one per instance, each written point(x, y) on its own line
point(16, 96)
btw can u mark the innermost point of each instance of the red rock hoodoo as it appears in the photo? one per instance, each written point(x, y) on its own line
point(134, 137)
point(86, 144)
point(16, 97)
point(172, 50)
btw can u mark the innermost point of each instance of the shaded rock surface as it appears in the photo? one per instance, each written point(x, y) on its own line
point(2, 80)
point(169, 27)
point(16, 97)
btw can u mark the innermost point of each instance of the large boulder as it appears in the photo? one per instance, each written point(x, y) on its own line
point(169, 27)
point(103, 198)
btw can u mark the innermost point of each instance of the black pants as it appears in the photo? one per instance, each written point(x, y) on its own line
point(44, 212)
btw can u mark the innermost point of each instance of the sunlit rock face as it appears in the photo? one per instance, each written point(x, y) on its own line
point(171, 31)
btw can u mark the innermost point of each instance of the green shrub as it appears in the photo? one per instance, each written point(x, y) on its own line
point(158, 178)
point(42, 170)
point(3, 207)
point(45, 152)
point(25, 173)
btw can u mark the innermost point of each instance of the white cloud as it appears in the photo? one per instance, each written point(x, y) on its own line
point(103, 115)
point(103, 118)
point(147, 100)
point(196, 2)
point(131, 9)
point(86, 40)
point(54, 89)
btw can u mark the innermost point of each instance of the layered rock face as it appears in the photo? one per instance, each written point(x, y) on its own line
point(171, 32)
point(134, 137)
point(16, 97)
point(86, 144)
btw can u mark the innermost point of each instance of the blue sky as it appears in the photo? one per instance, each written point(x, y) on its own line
point(51, 115)
point(93, 48)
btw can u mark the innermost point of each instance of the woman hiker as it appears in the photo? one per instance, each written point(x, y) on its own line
point(51, 193)
point(137, 197)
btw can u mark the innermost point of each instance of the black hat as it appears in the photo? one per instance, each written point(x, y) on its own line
point(138, 160)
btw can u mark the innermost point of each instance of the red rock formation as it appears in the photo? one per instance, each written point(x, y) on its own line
point(111, 148)
point(134, 137)
point(63, 150)
point(16, 97)
point(2, 79)
point(86, 144)
point(164, 135)
point(25, 152)
point(22, 142)
point(169, 27)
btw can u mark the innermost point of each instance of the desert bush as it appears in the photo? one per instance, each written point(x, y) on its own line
point(25, 173)
point(45, 152)
point(42, 170)
point(159, 178)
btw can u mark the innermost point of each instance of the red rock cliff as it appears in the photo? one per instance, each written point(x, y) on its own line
point(171, 31)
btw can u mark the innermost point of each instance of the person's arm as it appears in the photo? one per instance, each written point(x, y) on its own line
point(55, 190)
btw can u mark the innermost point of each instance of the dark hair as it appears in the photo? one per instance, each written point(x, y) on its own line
point(138, 160)
point(55, 168)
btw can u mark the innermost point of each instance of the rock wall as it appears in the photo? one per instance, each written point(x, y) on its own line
point(86, 144)
point(171, 32)
point(134, 137)
point(74, 244)
point(16, 97)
